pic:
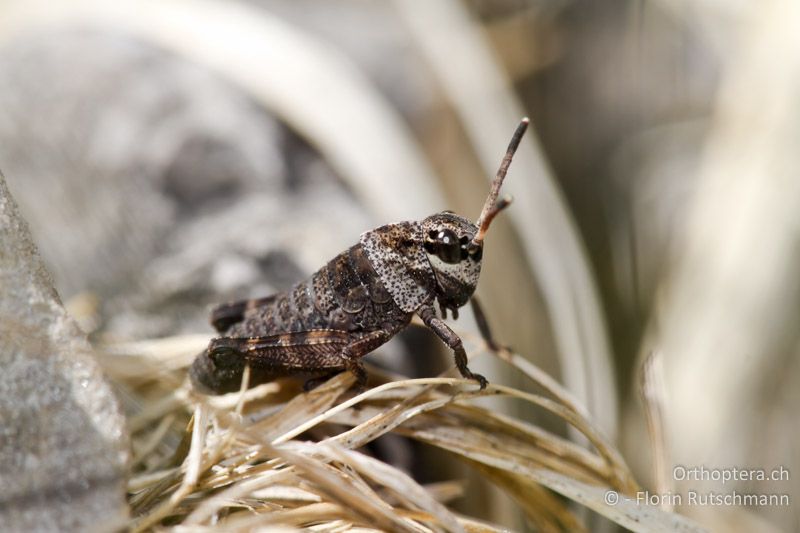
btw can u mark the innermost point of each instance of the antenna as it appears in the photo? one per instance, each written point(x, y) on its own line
point(492, 206)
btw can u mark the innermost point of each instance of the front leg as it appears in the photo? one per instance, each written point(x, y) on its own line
point(453, 341)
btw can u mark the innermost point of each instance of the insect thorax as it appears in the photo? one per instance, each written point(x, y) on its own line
point(412, 275)
point(397, 255)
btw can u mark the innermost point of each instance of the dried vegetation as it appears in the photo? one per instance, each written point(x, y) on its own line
point(275, 456)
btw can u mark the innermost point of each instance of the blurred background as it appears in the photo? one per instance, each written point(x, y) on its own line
point(174, 154)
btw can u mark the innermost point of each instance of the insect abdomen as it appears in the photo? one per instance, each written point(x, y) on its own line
point(346, 295)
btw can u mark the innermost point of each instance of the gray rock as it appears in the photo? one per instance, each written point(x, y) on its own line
point(63, 442)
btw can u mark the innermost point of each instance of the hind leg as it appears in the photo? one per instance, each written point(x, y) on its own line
point(313, 383)
point(353, 352)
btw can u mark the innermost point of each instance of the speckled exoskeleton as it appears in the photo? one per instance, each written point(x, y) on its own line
point(356, 302)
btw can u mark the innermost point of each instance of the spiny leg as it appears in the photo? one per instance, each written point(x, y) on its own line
point(220, 369)
point(353, 352)
point(453, 341)
point(483, 327)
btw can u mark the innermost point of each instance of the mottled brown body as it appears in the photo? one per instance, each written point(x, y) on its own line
point(355, 303)
point(344, 295)
point(325, 324)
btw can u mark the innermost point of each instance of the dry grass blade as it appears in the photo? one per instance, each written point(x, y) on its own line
point(335, 485)
point(532, 372)
point(653, 392)
point(544, 510)
point(403, 486)
point(354, 401)
point(192, 466)
point(387, 419)
point(239, 489)
point(625, 511)
point(242, 467)
point(156, 437)
point(304, 407)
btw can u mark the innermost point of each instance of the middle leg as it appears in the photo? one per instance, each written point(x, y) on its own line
point(353, 352)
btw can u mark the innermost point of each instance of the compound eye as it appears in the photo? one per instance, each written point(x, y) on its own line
point(449, 248)
point(225, 357)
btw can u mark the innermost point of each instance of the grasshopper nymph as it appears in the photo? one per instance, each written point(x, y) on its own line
point(356, 302)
